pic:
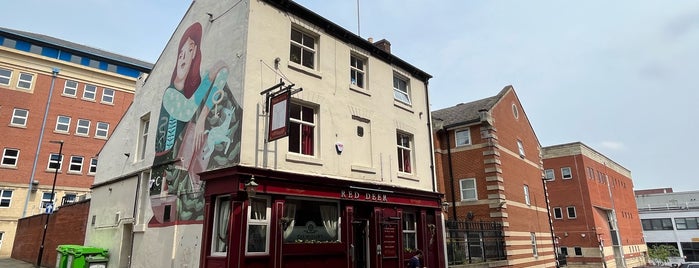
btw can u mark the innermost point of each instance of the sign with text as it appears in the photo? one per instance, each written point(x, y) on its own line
point(279, 116)
point(363, 196)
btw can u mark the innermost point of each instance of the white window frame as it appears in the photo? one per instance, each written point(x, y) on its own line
point(76, 164)
point(23, 80)
point(356, 71)
point(6, 156)
point(520, 146)
point(93, 166)
point(407, 231)
point(300, 123)
point(402, 149)
point(89, 90)
point(576, 249)
point(535, 250)
point(61, 125)
point(549, 174)
point(527, 198)
point(143, 137)
point(459, 139)
point(401, 94)
point(265, 222)
point(563, 173)
point(7, 78)
point(560, 213)
point(72, 87)
point(52, 160)
point(215, 233)
point(108, 98)
point(304, 48)
point(45, 201)
point(82, 129)
point(462, 190)
point(102, 130)
point(22, 118)
point(7, 199)
point(575, 216)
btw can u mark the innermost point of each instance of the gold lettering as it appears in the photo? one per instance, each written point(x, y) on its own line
point(342, 194)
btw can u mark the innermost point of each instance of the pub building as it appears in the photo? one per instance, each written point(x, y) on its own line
point(264, 218)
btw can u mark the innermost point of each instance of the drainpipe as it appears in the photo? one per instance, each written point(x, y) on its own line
point(430, 138)
point(54, 73)
point(451, 174)
point(548, 213)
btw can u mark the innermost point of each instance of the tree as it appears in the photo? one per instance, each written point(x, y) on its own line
point(661, 253)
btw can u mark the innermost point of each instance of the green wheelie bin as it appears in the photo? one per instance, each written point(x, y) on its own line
point(62, 254)
point(87, 257)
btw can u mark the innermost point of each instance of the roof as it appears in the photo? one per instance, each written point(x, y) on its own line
point(75, 48)
point(467, 113)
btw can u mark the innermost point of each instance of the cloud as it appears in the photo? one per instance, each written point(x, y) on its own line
point(613, 145)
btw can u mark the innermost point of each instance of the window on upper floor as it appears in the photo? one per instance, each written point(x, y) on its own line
point(5, 76)
point(520, 146)
point(687, 223)
point(564, 251)
point(93, 166)
point(83, 127)
point(302, 128)
point(10, 157)
point(557, 213)
point(68, 198)
point(401, 90)
point(107, 95)
point(46, 198)
point(527, 199)
point(405, 152)
point(468, 189)
point(590, 173)
point(462, 137)
point(566, 173)
point(357, 70)
point(549, 175)
point(5, 198)
point(19, 117)
point(76, 164)
point(571, 212)
point(63, 124)
point(578, 251)
point(25, 81)
point(55, 162)
point(535, 250)
point(656, 224)
point(409, 231)
point(90, 92)
point(143, 137)
point(102, 130)
point(303, 49)
point(70, 88)
point(259, 211)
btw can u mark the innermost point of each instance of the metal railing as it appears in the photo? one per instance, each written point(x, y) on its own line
point(474, 242)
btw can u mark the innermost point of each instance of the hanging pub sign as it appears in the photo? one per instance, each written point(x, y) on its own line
point(279, 115)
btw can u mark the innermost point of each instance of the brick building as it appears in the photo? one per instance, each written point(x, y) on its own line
point(53, 90)
point(594, 212)
point(488, 162)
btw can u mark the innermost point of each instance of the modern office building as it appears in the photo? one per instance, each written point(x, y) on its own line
point(670, 218)
point(54, 91)
point(488, 162)
point(268, 136)
point(594, 212)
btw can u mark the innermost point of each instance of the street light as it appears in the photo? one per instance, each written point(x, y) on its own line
point(49, 211)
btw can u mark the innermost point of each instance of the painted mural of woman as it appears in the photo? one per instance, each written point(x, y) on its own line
point(198, 129)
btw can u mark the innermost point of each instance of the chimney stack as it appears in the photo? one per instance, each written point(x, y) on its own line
point(383, 44)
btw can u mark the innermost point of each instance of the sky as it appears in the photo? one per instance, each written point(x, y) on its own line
point(615, 75)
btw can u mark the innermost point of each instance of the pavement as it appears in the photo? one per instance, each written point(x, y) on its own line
point(12, 263)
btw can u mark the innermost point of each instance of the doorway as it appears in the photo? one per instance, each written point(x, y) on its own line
point(360, 247)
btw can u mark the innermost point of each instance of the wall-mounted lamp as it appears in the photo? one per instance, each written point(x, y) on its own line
point(251, 187)
point(583, 235)
point(445, 205)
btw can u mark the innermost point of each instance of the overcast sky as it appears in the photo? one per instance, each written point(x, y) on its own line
point(615, 75)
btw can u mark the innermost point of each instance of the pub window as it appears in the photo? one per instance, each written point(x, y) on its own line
point(310, 221)
point(259, 212)
point(409, 232)
point(220, 230)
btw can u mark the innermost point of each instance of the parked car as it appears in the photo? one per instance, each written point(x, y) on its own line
point(689, 265)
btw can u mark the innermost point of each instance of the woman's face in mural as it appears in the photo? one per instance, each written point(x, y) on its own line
point(184, 59)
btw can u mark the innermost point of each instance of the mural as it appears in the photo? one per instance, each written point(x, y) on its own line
point(198, 129)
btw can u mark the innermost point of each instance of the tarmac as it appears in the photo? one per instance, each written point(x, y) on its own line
point(12, 263)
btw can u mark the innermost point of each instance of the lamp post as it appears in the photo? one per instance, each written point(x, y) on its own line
point(53, 193)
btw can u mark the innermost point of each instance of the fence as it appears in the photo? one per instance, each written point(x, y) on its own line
point(473, 242)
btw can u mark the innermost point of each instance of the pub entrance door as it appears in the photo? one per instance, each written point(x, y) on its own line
point(360, 247)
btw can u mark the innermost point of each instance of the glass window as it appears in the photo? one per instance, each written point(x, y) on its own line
point(143, 137)
point(5, 76)
point(521, 148)
point(401, 92)
point(25, 81)
point(46, 199)
point(220, 230)
point(549, 175)
point(108, 95)
point(409, 232)
point(93, 166)
point(102, 130)
point(311, 221)
point(55, 162)
point(557, 213)
point(686, 223)
point(69, 198)
point(90, 92)
point(566, 173)
point(468, 189)
point(535, 251)
point(357, 72)
point(5, 198)
point(258, 226)
point(63, 124)
point(302, 129)
point(76, 164)
point(463, 137)
point(303, 49)
point(10, 157)
point(70, 88)
point(19, 117)
point(527, 200)
point(83, 127)
point(578, 251)
point(571, 212)
point(564, 251)
point(404, 142)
